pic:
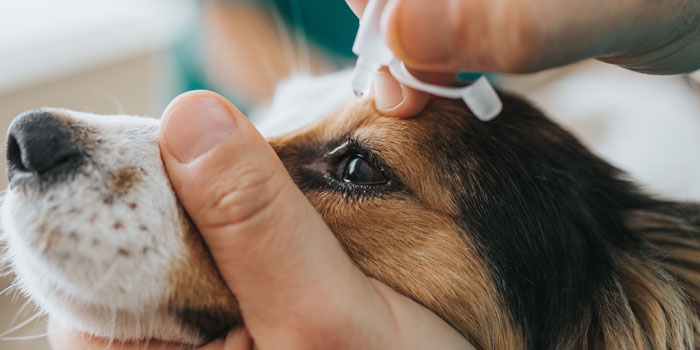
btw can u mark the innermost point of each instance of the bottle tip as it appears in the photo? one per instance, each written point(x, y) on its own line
point(358, 92)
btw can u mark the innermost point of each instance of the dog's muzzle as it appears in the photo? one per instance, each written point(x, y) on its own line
point(41, 147)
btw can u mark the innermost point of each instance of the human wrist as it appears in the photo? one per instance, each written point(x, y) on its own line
point(680, 55)
point(660, 39)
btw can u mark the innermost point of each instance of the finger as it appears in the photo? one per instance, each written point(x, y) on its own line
point(460, 35)
point(236, 339)
point(520, 36)
point(393, 99)
point(62, 338)
point(287, 270)
point(419, 328)
point(357, 6)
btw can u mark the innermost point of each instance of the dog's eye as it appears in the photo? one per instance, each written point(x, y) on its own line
point(359, 170)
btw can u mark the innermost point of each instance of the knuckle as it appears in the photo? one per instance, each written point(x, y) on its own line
point(243, 197)
point(506, 42)
point(519, 43)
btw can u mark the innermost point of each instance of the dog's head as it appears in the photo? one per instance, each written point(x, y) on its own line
point(509, 230)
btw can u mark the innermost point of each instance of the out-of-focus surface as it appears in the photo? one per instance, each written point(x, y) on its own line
point(43, 39)
point(113, 56)
point(102, 56)
point(647, 125)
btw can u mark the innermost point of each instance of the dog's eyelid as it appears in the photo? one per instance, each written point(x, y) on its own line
point(340, 150)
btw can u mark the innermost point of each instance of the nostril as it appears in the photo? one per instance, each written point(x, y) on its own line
point(41, 143)
point(14, 154)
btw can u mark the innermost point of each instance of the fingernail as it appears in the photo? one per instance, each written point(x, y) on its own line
point(388, 93)
point(426, 32)
point(195, 125)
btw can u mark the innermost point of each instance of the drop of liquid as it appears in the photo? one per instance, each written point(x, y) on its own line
point(358, 92)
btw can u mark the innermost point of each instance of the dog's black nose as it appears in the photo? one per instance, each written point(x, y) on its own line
point(40, 142)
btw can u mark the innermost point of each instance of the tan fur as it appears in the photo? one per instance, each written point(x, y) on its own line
point(676, 246)
point(198, 286)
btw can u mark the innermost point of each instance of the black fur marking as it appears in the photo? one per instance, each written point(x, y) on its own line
point(210, 324)
point(545, 213)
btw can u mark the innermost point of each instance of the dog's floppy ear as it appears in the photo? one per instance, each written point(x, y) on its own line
point(659, 282)
point(673, 229)
point(651, 300)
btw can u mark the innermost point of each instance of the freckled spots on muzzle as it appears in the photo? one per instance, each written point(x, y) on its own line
point(124, 180)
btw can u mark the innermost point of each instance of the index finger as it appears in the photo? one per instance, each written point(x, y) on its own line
point(62, 338)
point(357, 6)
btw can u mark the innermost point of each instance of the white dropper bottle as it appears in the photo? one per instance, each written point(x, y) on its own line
point(370, 48)
point(372, 53)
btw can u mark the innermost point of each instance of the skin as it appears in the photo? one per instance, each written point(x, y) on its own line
point(246, 53)
point(519, 36)
point(256, 228)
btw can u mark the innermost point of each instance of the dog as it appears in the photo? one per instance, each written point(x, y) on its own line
point(510, 230)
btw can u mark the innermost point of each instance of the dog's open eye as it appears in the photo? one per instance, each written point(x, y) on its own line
point(359, 170)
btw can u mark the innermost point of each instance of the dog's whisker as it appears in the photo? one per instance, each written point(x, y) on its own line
point(19, 312)
point(28, 337)
point(113, 321)
point(112, 99)
point(21, 325)
point(10, 287)
point(17, 293)
point(107, 276)
point(5, 263)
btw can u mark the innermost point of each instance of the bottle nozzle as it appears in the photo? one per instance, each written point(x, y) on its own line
point(362, 76)
point(372, 52)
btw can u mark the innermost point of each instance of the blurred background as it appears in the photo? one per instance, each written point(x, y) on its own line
point(134, 56)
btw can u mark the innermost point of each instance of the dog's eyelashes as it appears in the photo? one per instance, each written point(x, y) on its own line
point(359, 170)
point(353, 166)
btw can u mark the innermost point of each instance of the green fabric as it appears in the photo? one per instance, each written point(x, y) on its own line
point(328, 23)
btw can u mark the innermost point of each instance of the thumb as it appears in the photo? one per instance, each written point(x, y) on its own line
point(461, 35)
point(276, 254)
point(522, 36)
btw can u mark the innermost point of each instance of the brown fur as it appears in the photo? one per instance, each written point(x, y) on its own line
point(201, 298)
point(124, 180)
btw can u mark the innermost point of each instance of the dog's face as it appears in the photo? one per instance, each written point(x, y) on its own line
point(501, 228)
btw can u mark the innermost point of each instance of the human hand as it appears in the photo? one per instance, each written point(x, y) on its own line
point(660, 37)
point(296, 287)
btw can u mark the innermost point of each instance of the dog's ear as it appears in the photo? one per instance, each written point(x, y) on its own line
point(673, 230)
point(651, 300)
point(659, 282)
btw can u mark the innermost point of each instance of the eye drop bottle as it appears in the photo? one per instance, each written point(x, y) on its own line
point(372, 53)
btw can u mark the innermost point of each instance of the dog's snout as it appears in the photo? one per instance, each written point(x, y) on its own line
point(40, 142)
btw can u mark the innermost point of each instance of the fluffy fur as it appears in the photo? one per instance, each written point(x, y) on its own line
point(511, 231)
